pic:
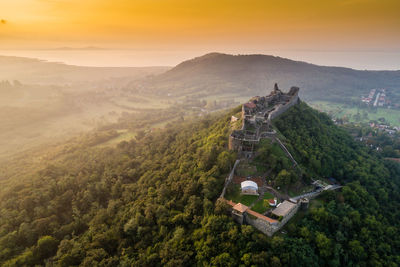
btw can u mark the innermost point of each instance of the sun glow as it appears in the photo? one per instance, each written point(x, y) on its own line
point(167, 24)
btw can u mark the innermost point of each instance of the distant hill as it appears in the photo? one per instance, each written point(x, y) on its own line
point(29, 70)
point(250, 75)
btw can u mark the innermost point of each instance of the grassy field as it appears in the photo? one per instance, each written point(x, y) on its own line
point(233, 193)
point(245, 169)
point(127, 135)
point(338, 110)
point(124, 135)
point(262, 205)
point(142, 102)
point(225, 96)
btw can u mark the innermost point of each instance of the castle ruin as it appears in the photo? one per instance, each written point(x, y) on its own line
point(257, 115)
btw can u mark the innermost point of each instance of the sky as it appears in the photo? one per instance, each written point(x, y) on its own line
point(195, 26)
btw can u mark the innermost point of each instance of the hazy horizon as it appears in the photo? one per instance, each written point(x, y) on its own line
point(168, 32)
point(93, 56)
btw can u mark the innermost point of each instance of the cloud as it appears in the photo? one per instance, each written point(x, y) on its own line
point(3, 21)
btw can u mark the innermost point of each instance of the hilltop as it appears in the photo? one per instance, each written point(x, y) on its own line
point(248, 75)
point(151, 201)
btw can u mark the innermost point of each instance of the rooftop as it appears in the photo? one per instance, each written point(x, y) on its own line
point(284, 208)
point(240, 207)
point(229, 202)
point(260, 216)
point(250, 105)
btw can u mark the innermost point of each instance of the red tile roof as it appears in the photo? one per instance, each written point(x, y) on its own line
point(260, 216)
point(394, 159)
point(229, 202)
point(240, 207)
point(243, 208)
point(250, 105)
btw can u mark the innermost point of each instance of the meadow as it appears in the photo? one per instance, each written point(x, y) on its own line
point(337, 110)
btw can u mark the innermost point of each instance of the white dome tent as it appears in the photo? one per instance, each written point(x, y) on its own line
point(249, 188)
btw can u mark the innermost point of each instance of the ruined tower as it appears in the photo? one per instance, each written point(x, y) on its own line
point(276, 89)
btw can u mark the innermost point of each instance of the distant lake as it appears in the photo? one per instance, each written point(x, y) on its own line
point(135, 58)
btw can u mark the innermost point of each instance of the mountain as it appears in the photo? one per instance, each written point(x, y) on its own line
point(250, 75)
point(152, 202)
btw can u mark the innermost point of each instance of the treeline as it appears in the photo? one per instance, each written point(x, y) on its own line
point(152, 202)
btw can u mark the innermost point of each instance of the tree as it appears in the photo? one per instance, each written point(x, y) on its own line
point(46, 247)
point(324, 245)
point(356, 250)
point(222, 260)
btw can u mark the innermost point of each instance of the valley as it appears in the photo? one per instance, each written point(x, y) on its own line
point(355, 114)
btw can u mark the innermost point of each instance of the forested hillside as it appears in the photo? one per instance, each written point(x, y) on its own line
point(151, 202)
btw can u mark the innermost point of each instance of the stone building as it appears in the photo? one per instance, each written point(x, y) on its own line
point(284, 208)
point(244, 215)
point(257, 115)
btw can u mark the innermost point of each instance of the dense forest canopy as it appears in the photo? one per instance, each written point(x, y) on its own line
point(152, 202)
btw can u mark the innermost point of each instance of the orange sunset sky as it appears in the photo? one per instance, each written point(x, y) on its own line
point(248, 25)
point(302, 24)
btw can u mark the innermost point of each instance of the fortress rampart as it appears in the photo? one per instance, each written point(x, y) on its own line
point(257, 115)
point(282, 108)
point(267, 227)
point(244, 215)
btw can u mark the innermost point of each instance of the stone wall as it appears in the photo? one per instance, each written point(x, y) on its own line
point(229, 178)
point(281, 108)
point(238, 217)
point(270, 134)
point(289, 215)
point(264, 226)
point(269, 228)
point(234, 143)
point(286, 151)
